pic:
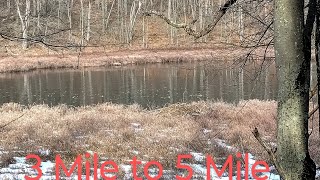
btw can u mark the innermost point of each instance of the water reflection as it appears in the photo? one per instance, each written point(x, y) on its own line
point(148, 85)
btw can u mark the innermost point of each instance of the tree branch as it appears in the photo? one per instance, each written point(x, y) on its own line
point(5, 125)
point(313, 91)
point(271, 152)
point(188, 27)
point(313, 111)
point(40, 39)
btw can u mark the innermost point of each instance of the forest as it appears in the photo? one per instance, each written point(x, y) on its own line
point(123, 24)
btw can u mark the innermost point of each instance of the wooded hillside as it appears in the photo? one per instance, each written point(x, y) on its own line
point(122, 23)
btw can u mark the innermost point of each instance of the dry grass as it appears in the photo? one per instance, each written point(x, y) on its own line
point(99, 57)
point(113, 131)
point(120, 132)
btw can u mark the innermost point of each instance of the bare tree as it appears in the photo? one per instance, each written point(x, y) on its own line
point(24, 21)
point(88, 21)
point(135, 9)
point(70, 5)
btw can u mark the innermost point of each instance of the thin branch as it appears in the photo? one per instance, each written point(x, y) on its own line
point(312, 120)
point(257, 44)
point(12, 121)
point(256, 18)
point(313, 111)
point(40, 39)
point(313, 91)
point(271, 153)
point(162, 16)
point(188, 27)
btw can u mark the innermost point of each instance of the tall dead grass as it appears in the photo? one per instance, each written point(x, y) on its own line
point(120, 132)
point(115, 58)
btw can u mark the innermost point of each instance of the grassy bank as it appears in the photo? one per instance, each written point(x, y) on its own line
point(100, 57)
point(120, 132)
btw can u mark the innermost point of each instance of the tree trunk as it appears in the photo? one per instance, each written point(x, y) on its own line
point(317, 50)
point(241, 26)
point(293, 98)
point(169, 16)
point(103, 9)
point(107, 21)
point(38, 15)
point(88, 21)
point(70, 5)
point(82, 23)
point(9, 5)
point(24, 19)
point(59, 12)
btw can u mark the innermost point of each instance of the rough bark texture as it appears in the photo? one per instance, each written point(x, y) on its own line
point(317, 51)
point(293, 100)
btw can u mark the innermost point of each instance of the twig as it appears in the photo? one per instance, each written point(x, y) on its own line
point(188, 27)
point(5, 125)
point(313, 111)
point(9, 51)
point(271, 153)
point(312, 118)
point(313, 91)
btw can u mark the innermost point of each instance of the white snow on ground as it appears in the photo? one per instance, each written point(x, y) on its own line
point(223, 144)
point(20, 168)
point(199, 157)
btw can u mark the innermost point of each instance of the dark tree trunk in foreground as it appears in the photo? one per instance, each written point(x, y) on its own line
point(293, 100)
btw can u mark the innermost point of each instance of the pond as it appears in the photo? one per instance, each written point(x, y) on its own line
point(151, 85)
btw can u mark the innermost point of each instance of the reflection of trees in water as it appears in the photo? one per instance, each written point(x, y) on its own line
point(71, 86)
point(185, 88)
point(172, 76)
point(27, 89)
point(241, 81)
point(240, 85)
point(266, 85)
point(83, 80)
point(150, 85)
point(90, 87)
point(40, 88)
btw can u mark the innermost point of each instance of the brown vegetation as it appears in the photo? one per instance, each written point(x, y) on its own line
point(118, 58)
point(120, 132)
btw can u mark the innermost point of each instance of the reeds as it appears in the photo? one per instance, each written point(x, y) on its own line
point(120, 132)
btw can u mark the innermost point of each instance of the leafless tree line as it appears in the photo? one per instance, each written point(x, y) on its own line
point(97, 22)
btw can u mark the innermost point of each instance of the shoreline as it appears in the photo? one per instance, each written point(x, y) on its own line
point(21, 63)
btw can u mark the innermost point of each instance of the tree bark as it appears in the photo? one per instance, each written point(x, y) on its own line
point(82, 23)
point(317, 50)
point(103, 9)
point(293, 94)
point(70, 5)
point(59, 12)
point(88, 21)
point(24, 19)
point(110, 11)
